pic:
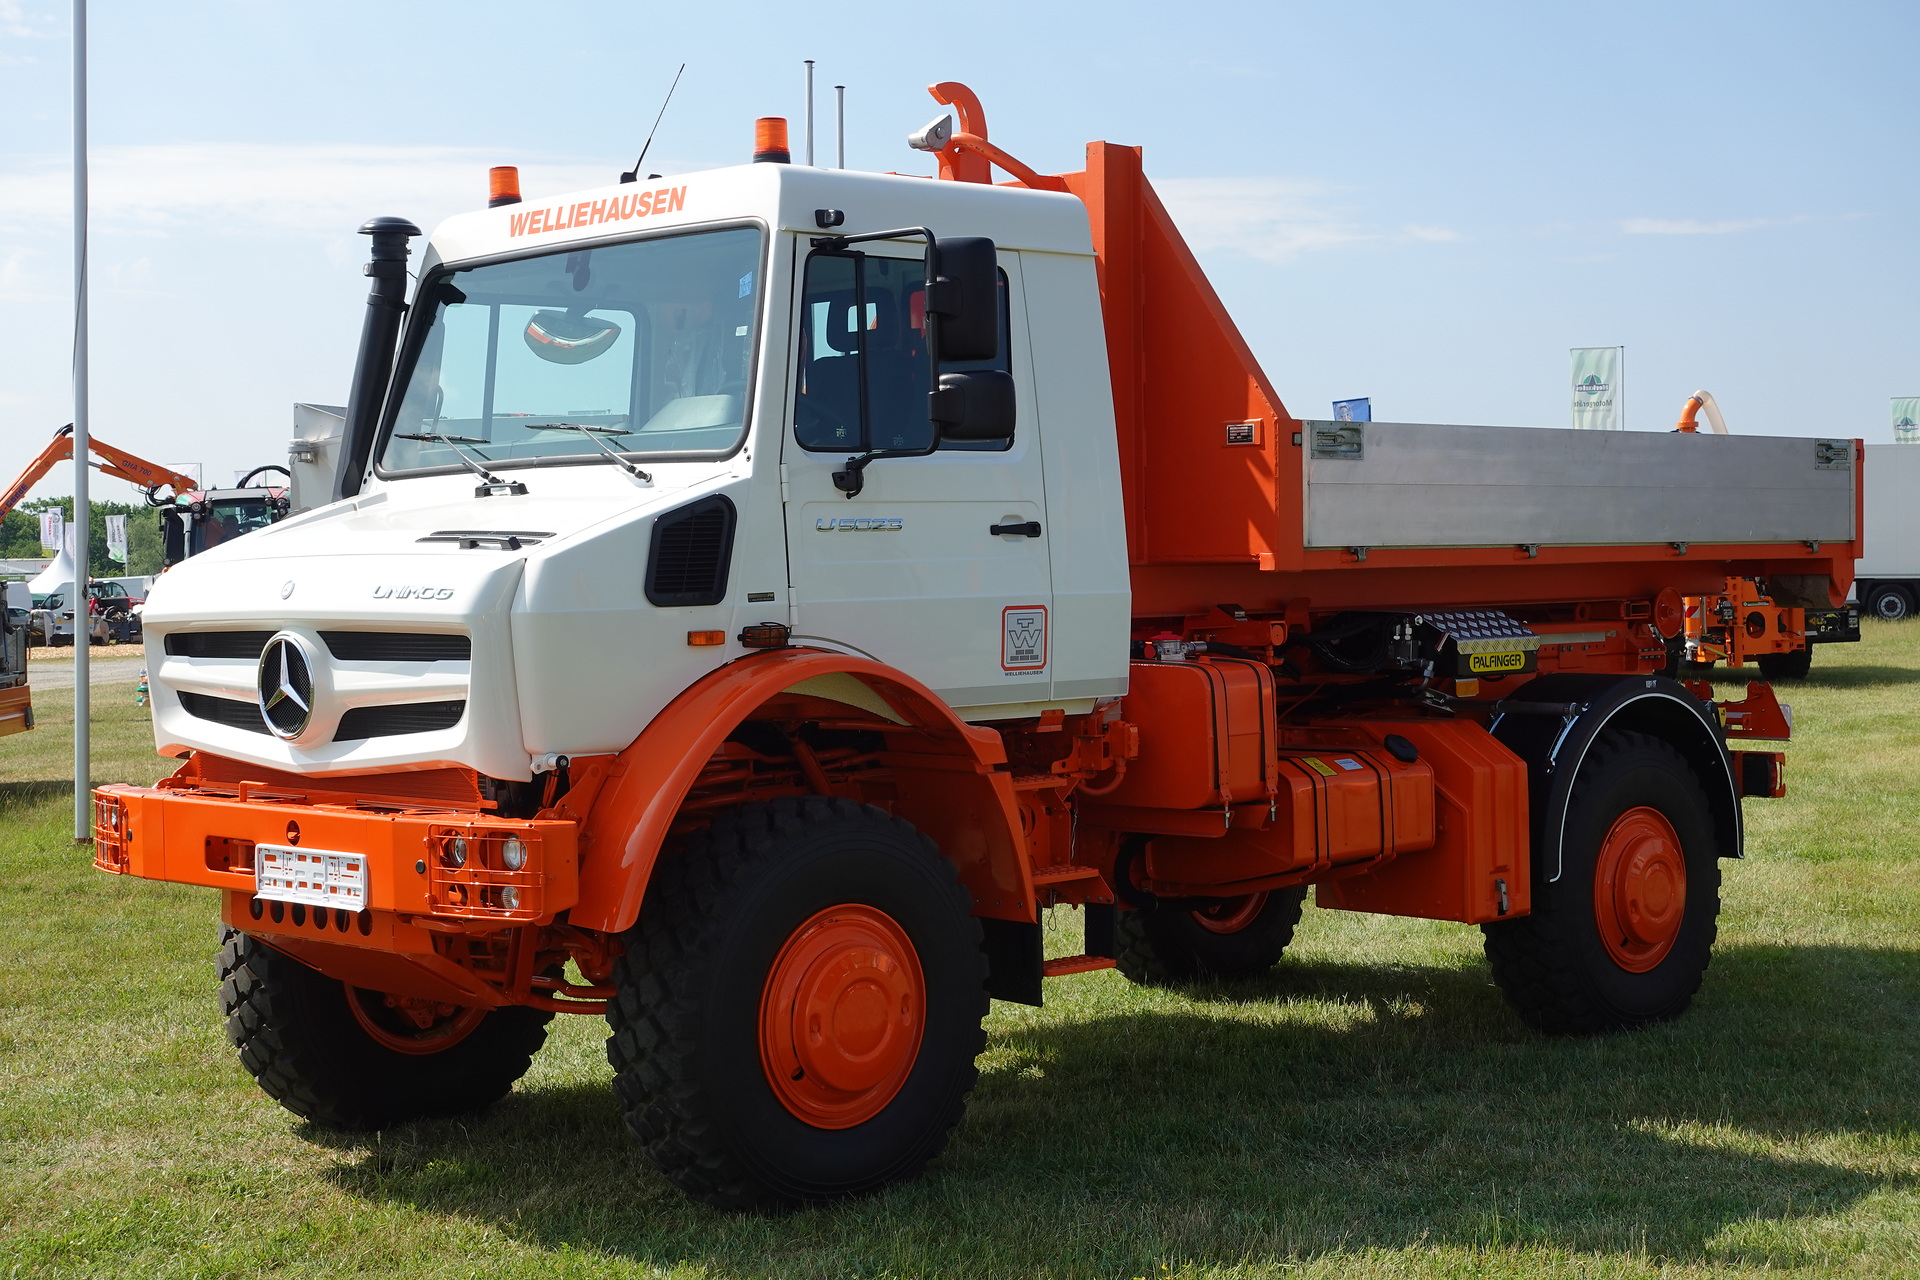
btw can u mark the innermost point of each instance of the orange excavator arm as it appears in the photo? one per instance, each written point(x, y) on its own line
point(117, 463)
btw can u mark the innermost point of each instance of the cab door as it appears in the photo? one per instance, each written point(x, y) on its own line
point(939, 566)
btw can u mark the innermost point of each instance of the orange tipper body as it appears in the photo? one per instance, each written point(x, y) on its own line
point(1207, 658)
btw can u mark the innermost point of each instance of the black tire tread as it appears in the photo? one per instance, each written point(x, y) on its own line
point(1533, 958)
point(269, 999)
point(654, 1018)
point(1153, 956)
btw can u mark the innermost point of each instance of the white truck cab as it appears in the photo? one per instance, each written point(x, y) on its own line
point(610, 446)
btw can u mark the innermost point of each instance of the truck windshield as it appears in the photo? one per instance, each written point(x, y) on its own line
point(646, 346)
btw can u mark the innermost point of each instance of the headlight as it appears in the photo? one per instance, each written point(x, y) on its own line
point(513, 854)
point(457, 851)
point(510, 898)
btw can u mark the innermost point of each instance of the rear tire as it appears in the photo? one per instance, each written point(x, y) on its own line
point(310, 1050)
point(1236, 939)
point(1623, 937)
point(1888, 602)
point(746, 1062)
point(1786, 666)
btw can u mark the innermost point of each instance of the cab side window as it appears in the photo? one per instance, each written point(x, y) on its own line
point(863, 355)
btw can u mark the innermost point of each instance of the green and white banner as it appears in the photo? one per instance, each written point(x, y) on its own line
point(1906, 419)
point(1597, 376)
point(117, 539)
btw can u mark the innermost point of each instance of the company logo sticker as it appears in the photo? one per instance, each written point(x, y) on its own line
point(412, 593)
point(1023, 639)
point(1496, 662)
point(587, 213)
point(860, 524)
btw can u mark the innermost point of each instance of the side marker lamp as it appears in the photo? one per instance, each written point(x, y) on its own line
point(699, 638)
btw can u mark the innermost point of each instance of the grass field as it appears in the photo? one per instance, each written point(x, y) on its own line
point(1369, 1110)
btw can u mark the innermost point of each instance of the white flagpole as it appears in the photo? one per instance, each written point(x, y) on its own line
point(82, 506)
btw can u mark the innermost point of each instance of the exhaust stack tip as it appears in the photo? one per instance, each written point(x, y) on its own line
point(770, 141)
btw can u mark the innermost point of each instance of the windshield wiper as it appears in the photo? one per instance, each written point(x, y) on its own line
point(594, 434)
point(491, 485)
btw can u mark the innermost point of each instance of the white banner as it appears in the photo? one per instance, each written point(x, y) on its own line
point(191, 469)
point(1597, 376)
point(1906, 419)
point(117, 539)
point(50, 526)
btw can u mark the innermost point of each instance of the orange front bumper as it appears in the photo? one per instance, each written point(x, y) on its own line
point(417, 897)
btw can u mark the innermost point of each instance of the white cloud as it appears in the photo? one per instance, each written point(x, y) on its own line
point(314, 189)
point(1274, 219)
point(1691, 227)
point(16, 23)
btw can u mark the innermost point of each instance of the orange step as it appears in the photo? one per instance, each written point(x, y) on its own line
point(1075, 964)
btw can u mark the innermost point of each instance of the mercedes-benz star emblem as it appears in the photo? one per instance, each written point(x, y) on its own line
point(286, 687)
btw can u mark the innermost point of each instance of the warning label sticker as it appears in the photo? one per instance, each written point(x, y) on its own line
point(1023, 639)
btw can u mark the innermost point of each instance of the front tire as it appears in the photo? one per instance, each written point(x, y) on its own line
point(1623, 937)
point(353, 1059)
point(1235, 939)
point(799, 1006)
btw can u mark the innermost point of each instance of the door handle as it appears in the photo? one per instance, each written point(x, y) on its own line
point(1030, 529)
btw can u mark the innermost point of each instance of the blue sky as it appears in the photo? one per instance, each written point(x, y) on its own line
point(1426, 204)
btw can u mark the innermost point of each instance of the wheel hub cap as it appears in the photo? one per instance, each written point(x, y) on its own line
point(842, 1016)
point(1232, 915)
point(1640, 889)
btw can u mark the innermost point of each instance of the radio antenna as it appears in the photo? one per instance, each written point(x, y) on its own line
point(633, 174)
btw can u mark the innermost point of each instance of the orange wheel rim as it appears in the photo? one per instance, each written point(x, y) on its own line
point(1640, 889)
point(1232, 915)
point(841, 1017)
point(406, 1024)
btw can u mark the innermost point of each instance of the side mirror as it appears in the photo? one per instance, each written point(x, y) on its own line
point(974, 406)
point(966, 298)
point(173, 537)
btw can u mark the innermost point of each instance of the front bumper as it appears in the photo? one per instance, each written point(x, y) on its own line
point(419, 903)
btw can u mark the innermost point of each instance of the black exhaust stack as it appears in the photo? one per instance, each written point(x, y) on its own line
point(373, 367)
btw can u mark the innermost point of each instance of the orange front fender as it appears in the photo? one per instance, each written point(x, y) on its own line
point(948, 773)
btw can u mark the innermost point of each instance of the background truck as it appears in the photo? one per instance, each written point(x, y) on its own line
point(980, 570)
point(1887, 579)
point(16, 699)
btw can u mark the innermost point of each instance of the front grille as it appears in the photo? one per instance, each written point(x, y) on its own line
point(235, 715)
point(397, 646)
point(408, 717)
point(217, 644)
point(690, 554)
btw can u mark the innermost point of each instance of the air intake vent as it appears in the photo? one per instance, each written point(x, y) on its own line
point(235, 715)
point(397, 646)
point(408, 717)
point(217, 644)
point(692, 548)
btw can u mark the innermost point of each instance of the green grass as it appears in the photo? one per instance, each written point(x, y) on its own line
point(1370, 1109)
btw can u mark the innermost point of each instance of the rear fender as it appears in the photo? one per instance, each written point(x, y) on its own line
point(1553, 722)
point(948, 774)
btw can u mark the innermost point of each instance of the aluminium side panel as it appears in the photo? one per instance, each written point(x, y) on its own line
point(1422, 485)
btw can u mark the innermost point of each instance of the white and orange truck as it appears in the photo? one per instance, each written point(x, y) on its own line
point(753, 597)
